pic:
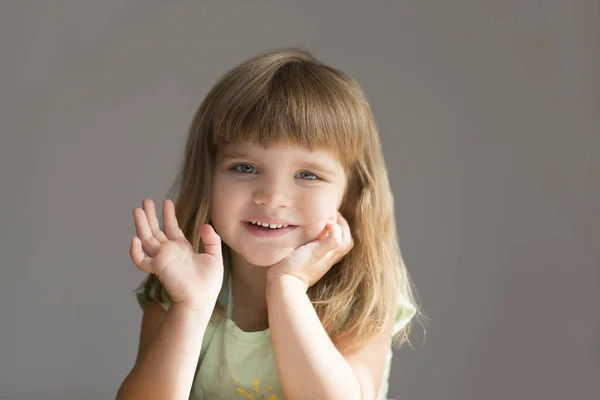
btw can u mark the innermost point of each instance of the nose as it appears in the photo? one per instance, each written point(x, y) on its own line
point(273, 194)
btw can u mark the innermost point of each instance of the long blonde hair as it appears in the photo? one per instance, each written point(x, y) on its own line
point(289, 96)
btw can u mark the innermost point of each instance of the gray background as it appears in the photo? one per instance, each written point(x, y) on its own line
point(489, 113)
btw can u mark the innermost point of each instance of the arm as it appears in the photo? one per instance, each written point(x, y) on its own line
point(170, 344)
point(309, 364)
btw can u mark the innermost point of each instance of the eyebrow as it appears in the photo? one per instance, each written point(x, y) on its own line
point(317, 166)
point(232, 155)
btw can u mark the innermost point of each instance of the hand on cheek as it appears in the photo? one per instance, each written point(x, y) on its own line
point(332, 218)
point(310, 262)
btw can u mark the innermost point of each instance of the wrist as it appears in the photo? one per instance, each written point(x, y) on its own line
point(199, 307)
point(285, 284)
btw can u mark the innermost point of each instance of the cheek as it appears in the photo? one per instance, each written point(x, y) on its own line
point(318, 209)
point(323, 203)
point(223, 203)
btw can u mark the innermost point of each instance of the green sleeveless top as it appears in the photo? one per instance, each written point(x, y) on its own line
point(234, 364)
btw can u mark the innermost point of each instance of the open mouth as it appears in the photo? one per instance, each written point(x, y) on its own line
point(272, 226)
point(263, 231)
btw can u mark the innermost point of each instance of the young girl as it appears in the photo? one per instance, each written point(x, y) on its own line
point(278, 273)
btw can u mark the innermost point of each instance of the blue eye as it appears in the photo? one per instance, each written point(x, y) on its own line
point(309, 174)
point(251, 169)
point(244, 170)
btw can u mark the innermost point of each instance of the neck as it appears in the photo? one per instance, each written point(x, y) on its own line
point(249, 309)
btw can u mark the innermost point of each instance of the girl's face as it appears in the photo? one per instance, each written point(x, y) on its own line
point(285, 184)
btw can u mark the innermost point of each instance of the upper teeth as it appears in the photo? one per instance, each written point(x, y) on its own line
point(272, 226)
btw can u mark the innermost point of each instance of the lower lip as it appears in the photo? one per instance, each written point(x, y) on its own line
point(261, 232)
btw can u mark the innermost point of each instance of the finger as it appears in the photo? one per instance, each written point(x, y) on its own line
point(211, 241)
point(141, 261)
point(347, 240)
point(170, 220)
point(149, 242)
point(327, 243)
point(336, 233)
point(324, 231)
point(148, 205)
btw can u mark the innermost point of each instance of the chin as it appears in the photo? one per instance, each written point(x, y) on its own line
point(266, 258)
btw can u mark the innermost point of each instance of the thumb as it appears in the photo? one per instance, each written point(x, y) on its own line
point(211, 241)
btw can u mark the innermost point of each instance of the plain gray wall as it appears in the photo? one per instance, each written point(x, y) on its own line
point(489, 114)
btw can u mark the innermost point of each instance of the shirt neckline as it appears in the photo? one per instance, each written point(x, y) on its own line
point(233, 329)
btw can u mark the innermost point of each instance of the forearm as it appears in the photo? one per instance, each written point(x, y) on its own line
point(167, 369)
point(309, 365)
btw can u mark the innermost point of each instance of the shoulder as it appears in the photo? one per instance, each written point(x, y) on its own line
point(403, 314)
point(369, 361)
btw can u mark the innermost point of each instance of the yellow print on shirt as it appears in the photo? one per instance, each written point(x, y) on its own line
point(256, 395)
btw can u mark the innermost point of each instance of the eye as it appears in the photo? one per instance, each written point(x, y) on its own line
point(309, 174)
point(246, 168)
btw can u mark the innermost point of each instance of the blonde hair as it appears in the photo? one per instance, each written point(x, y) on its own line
point(289, 96)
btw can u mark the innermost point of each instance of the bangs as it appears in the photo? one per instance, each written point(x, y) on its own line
point(300, 102)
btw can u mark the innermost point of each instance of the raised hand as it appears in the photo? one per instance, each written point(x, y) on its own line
point(188, 277)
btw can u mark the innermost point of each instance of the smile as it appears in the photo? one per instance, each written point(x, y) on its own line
point(269, 230)
point(270, 226)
